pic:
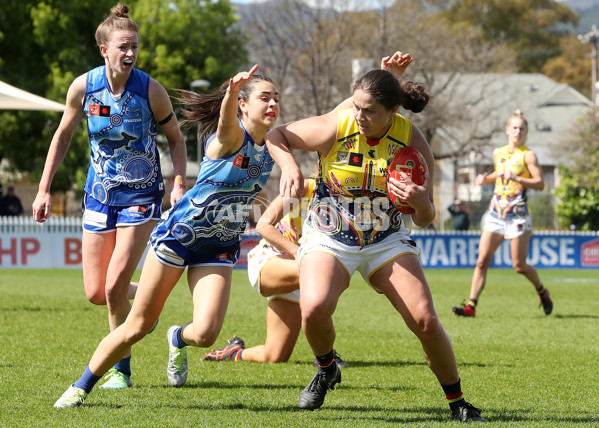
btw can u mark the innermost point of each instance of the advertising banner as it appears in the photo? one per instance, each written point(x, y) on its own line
point(43, 248)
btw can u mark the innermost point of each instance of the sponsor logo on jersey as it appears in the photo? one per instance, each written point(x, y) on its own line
point(99, 110)
point(132, 112)
point(350, 144)
point(241, 161)
point(342, 157)
point(356, 159)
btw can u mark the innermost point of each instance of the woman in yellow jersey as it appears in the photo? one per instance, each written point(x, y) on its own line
point(353, 226)
point(273, 272)
point(516, 170)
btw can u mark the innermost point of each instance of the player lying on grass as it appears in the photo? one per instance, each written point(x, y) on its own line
point(274, 272)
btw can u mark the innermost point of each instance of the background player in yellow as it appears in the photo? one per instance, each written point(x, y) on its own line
point(516, 170)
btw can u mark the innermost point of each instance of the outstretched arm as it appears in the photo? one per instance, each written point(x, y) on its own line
point(312, 134)
point(229, 135)
point(42, 205)
point(397, 63)
point(292, 179)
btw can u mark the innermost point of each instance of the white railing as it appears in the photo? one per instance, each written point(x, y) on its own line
point(26, 224)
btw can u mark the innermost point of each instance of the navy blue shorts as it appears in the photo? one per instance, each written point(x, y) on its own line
point(100, 218)
point(171, 252)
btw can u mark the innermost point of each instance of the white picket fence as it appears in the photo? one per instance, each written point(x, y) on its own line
point(26, 224)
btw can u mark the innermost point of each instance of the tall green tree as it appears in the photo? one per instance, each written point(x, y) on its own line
point(579, 188)
point(530, 27)
point(185, 40)
point(45, 44)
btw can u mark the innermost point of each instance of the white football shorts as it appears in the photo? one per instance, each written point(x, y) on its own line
point(256, 259)
point(368, 259)
point(510, 228)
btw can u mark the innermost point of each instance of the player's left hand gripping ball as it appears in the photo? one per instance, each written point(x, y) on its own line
point(410, 161)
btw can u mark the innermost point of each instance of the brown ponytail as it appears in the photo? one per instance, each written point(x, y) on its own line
point(117, 21)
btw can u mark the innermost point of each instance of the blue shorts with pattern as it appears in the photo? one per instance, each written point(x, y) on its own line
point(100, 218)
point(169, 251)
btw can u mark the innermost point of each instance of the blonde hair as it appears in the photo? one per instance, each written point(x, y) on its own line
point(517, 114)
point(117, 21)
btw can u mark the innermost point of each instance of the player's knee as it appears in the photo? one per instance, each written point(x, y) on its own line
point(483, 264)
point(519, 267)
point(135, 333)
point(313, 313)
point(96, 297)
point(116, 294)
point(273, 357)
point(205, 338)
point(428, 325)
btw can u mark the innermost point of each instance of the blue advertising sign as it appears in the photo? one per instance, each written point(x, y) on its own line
point(460, 250)
point(547, 250)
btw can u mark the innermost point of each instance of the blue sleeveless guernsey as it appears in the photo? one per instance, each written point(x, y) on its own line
point(211, 217)
point(124, 168)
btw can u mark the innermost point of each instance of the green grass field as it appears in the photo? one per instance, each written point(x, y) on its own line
point(521, 367)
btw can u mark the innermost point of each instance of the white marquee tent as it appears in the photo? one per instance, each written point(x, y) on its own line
point(12, 98)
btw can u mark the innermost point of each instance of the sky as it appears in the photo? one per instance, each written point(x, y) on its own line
point(366, 3)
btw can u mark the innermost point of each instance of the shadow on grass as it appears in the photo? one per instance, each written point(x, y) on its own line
point(360, 413)
point(524, 415)
point(356, 363)
point(32, 309)
point(343, 414)
point(102, 405)
point(46, 309)
point(575, 316)
point(440, 414)
point(259, 386)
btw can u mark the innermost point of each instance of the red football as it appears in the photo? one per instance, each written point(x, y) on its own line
point(410, 161)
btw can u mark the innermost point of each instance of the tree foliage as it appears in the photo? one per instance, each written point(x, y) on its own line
point(46, 44)
point(579, 187)
point(572, 66)
point(305, 50)
point(530, 27)
point(184, 40)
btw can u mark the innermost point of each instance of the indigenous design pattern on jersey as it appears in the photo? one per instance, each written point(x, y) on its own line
point(212, 215)
point(351, 203)
point(509, 197)
point(124, 167)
